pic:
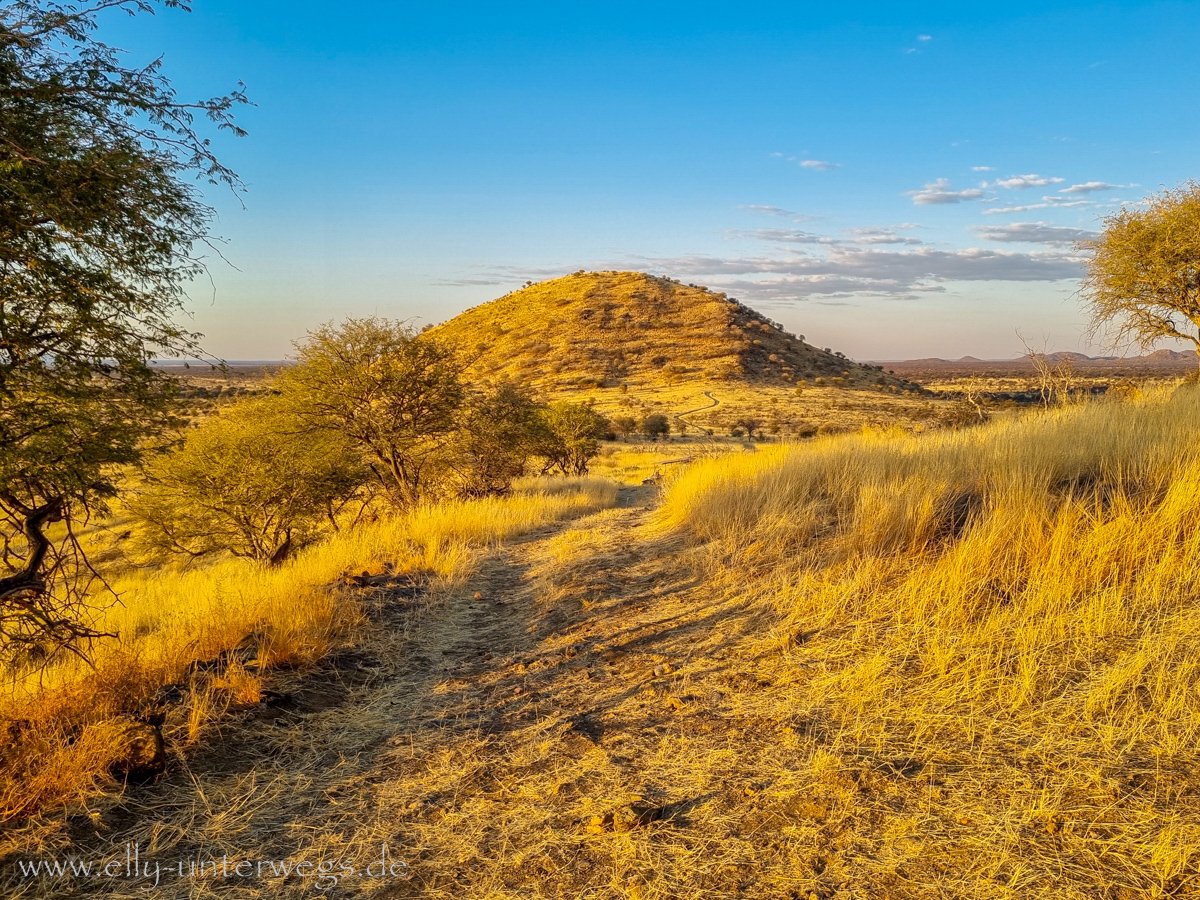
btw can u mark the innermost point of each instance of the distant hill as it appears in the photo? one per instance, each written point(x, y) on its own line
point(606, 329)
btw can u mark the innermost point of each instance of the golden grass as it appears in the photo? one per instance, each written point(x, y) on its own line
point(595, 328)
point(289, 614)
point(1015, 606)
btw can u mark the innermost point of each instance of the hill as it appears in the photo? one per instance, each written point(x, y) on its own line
point(608, 329)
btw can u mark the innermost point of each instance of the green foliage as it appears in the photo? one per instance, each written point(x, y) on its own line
point(1143, 273)
point(97, 230)
point(625, 425)
point(656, 425)
point(571, 437)
point(252, 480)
point(394, 394)
point(498, 432)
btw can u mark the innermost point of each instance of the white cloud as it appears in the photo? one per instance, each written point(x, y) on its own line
point(819, 164)
point(786, 236)
point(829, 270)
point(767, 210)
point(1033, 233)
point(846, 269)
point(1090, 187)
point(880, 236)
point(924, 37)
point(998, 210)
point(1021, 182)
point(938, 192)
point(856, 236)
point(982, 168)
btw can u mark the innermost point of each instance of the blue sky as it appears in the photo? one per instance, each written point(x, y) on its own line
point(891, 180)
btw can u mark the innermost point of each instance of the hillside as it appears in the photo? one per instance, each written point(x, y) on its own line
point(607, 329)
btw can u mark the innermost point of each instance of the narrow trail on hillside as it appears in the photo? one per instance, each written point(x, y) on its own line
point(584, 718)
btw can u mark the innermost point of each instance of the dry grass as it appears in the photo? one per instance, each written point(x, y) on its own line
point(1010, 614)
point(958, 665)
point(597, 328)
point(288, 616)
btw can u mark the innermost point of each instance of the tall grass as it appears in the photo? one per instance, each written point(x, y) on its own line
point(166, 620)
point(1020, 600)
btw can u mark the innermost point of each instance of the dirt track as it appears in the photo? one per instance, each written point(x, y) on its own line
point(484, 747)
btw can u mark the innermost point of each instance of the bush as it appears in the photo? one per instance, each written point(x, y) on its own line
point(570, 437)
point(394, 394)
point(625, 425)
point(655, 425)
point(252, 481)
point(498, 431)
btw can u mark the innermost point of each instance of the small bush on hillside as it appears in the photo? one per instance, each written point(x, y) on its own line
point(625, 425)
point(656, 425)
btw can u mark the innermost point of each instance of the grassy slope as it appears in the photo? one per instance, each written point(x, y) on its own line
point(1011, 616)
point(634, 328)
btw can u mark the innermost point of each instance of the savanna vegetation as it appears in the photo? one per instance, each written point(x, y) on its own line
point(1004, 618)
point(154, 567)
point(951, 653)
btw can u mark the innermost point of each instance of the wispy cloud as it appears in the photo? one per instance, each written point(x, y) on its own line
point(1023, 182)
point(1001, 210)
point(1052, 201)
point(881, 236)
point(786, 236)
point(982, 168)
point(939, 192)
point(819, 164)
point(840, 269)
point(1033, 233)
point(854, 236)
point(1063, 202)
point(1090, 187)
point(924, 37)
point(768, 210)
point(844, 270)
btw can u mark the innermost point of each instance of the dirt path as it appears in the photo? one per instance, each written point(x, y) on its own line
point(714, 402)
point(585, 719)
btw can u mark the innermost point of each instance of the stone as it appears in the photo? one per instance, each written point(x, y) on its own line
point(139, 753)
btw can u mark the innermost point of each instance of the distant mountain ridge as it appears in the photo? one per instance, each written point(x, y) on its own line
point(1174, 358)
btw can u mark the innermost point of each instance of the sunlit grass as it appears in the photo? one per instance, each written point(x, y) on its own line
point(1017, 601)
point(292, 615)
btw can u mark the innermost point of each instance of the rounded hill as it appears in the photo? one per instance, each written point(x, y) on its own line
point(606, 329)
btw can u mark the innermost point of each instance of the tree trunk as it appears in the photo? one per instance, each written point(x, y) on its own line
point(29, 578)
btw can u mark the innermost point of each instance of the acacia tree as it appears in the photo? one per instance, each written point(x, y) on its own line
point(1143, 271)
point(99, 221)
point(395, 394)
point(571, 437)
point(498, 431)
point(251, 481)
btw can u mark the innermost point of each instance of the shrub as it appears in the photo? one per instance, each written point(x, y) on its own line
point(570, 437)
point(498, 431)
point(252, 481)
point(656, 425)
point(394, 394)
